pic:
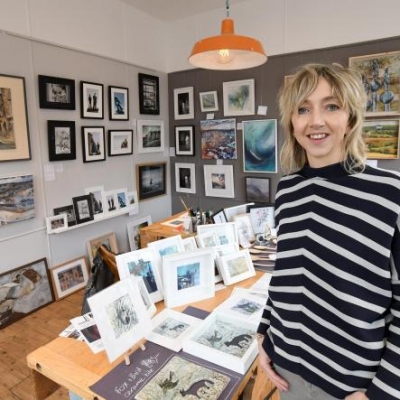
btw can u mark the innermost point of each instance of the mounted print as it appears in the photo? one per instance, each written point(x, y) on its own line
point(218, 181)
point(133, 229)
point(83, 208)
point(93, 143)
point(56, 223)
point(183, 103)
point(244, 229)
point(56, 93)
point(257, 189)
point(225, 232)
point(218, 139)
point(239, 98)
point(109, 240)
point(150, 136)
point(111, 202)
point(151, 180)
point(260, 146)
point(149, 94)
point(61, 139)
point(69, 211)
point(380, 74)
point(185, 177)
point(219, 217)
point(97, 197)
point(262, 218)
point(92, 100)
point(118, 103)
point(133, 203)
point(120, 142)
point(122, 199)
point(14, 128)
point(184, 140)
point(209, 101)
point(236, 267)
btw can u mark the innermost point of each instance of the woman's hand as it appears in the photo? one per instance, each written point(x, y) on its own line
point(356, 396)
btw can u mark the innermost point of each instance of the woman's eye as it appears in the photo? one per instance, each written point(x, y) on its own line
point(332, 107)
point(302, 110)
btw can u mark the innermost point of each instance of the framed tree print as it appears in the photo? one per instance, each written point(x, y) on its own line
point(92, 100)
point(56, 93)
point(118, 103)
point(93, 143)
point(61, 139)
point(184, 140)
point(183, 103)
point(149, 94)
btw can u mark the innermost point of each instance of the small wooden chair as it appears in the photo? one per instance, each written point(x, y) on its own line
point(109, 259)
point(263, 388)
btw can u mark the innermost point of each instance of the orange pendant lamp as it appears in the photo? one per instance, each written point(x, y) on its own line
point(227, 51)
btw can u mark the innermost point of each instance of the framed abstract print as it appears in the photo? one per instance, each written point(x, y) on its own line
point(239, 97)
point(93, 143)
point(208, 101)
point(118, 103)
point(56, 93)
point(61, 139)
point(149, 94)
point(257, 189)
point(92, 100)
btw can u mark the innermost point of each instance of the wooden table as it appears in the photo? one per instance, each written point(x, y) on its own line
point(70, 363)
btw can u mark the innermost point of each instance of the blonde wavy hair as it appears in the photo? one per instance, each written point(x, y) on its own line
point(348, 91)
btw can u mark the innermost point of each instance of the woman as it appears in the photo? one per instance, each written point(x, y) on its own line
point(331, 325)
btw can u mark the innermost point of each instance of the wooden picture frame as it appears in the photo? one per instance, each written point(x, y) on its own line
point(149, 94)
point(184, 140)
point(150, 136)
point(118, 103)
point(14, 132)
point(61, 140)
point(98, 200)
point(56, 93)
point(239, 97)
point(209, 101)
point(218, 181)
point(69, 211)
point(56, 223)
point(133, 230)
point(92, 100)
point(185, 177)
point(120, 142)
point(109, 240)
point(151, 180)
point(93, 144)
point(183, 103)
point(258, 190)
point(83, 208)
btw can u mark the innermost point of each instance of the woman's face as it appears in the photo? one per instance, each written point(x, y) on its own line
point(320, 124)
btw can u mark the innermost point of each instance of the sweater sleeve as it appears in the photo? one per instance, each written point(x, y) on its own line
point(264, 322)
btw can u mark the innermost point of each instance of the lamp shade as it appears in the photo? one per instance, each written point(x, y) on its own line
point(227, 51)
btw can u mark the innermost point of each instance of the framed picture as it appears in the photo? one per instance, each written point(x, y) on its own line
point(244, 229)
point(132, 202)
point(98, 200)
point(262, 218)
point(111, 201)
point(142, 263)
point(25, 289)
point(218, 139)
point(118, 103)
point(145, 295)
point(185, 177)
point(14, 132)
point(209, 101)
point(69, 211)
point(122, 199)
point(183, 103)
point(225, 233)
point(230, 212)
point(168, 245)
point(382, 139)
point(93, 143)
point(151, 180)
point(219, 217)
point(61, 139)
point(188, 277)
point(150, 136)
point(257, 189)
point(121, 316)
point(56, 93)
point(120, 142)
point(69, 277)
point(109, 240)
point(56, 223)
point(260, 146)
point(17, 197)
point(189, 243)
point(133, 229)
point(92, 100)
point(149, 94)
point(184, 140)
point(83, 208)
point(239, 97)
point(218, 181)
point(381, 78)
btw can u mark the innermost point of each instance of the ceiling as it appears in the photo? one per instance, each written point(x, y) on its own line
point(171, 10)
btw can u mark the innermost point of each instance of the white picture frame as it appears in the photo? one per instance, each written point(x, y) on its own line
point(110, 202)
point(209, 101)
point(218, 181)
point(122, 199)
point(133, 202)
point(133, 230)
point(262, 217)
point(57, 223)
point(189, 243)
point(185, 177)
point(98, 200)
point(239, 97)
point(219, 251)
point(226, 233)
point(244, 228)
point(236, 267)
point(147, 300)
point(230, 212)
point(150, 136)
point(183, 103)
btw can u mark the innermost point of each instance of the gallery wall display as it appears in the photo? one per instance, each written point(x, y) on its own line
point(239, 97)
point(118, 103)
point(56, 93)
point(93, 143)
point(120, 142)
point(149, 94)
point(151, 180)
point(150, 136)
point(61, 140)
point(183, 103)
point(92, 100)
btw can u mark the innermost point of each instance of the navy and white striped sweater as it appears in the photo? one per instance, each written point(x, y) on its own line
point(333, 313)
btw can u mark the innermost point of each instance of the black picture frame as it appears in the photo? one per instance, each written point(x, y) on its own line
point(93, 144)
point(258, 189)
point(118, 103)
point(69, 210)
point(184, 140)
point(83, 208)
point(151, 180)
point(61, 140)
point(92, 100)
point(120, 142)
point(56, 93)
point(149, 94)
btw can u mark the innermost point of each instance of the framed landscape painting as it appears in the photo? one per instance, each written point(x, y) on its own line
point(257, 189)
point(208, 101)
point(120, 142)
point(61, 139)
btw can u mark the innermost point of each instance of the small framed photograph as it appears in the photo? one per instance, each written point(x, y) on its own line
point(150, 136)
point(151, 180)
point(219, 217)
point(83, 208)
point(218, 180)
point(225, 233)
point(61, 139)
point(188, 277)
point(93, 143)
point(133, 203)
point(98, 200)
point(262, 218)
point(168, 245)
point(239, 97)
point(92, 100)
point(122, 199)
point(56, 223)
point(185, 177)
point(56, 93)
point(109, 240)
point(209, 101)
point(221, 250)
point(189, 243)
point(183, 103)
point(111, 201)
point(118, 103)
point(120, 142)
point(184, 140)
point(230, 212)
point(69, 277)
point(69, 211)
point(236, 267)
point(257, 189)
point(149, 94)
point(133, 229)
point(244, 228)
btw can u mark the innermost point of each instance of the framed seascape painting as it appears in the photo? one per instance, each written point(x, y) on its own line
point(218, 181)
point(133, 230)
point(260, 146)
point(150, 136)
point(69, 211)
point(92, 100)
point(184, 140)
point(183, 103)
point(61, 139)
point(83, 207)
point(149, 94)
point(239, 98)
point(109, 240)
point(118, 103)
point(14, 127)
point(257, 189)
point(98, 200)
point(185, 177)
point(56, 93)
point(93, 143)
point(120, 142)
point(56, 223)
point(209, 101)
point(151, 180)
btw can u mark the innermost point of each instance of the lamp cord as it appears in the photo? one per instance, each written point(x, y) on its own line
point(227, 8)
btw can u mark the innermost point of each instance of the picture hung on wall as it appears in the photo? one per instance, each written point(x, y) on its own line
point(151, 180)
point(209, 101)
point(260, 145)
point(218, 139)
point(183, 103)
point(382, 139)
point(109, 240)
point(27, 289)
point(56, 93)
point(150, 136)
point(257, 189)
point(149, 94)
point(218, 180)
point(17, 199)
point(14, 128)
point(184, 140)
point(185, 177)
point(239, 98)
point(61, 139)
point(118, 103)
point(93, 143)
point(69, 210)
point(56, 223)
point(120, 142)
point(133, 229)
point(83, 208)
point(97, 197)
point(381, 78)
point(92, 100)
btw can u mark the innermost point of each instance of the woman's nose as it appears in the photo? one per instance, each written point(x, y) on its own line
point(317, 118)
